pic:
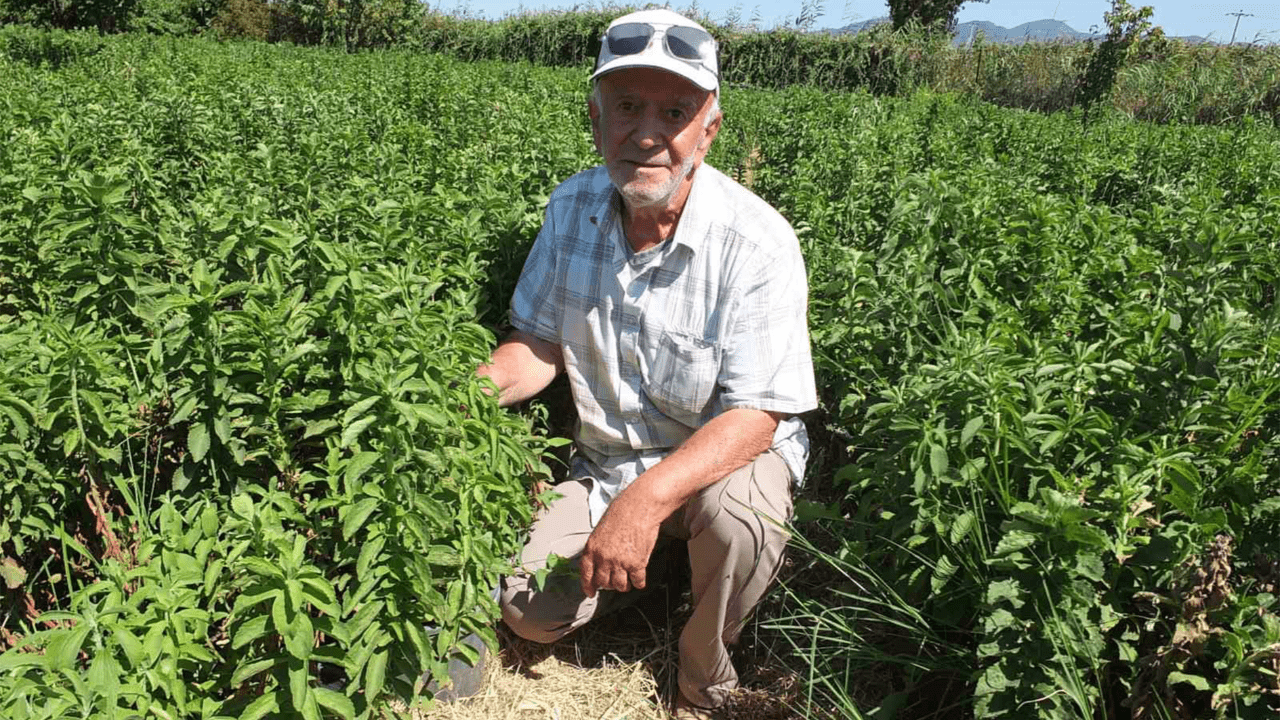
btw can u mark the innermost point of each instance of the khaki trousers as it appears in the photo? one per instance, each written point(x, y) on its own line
point(735, 538)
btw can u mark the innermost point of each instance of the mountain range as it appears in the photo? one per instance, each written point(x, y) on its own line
point(1035, 31)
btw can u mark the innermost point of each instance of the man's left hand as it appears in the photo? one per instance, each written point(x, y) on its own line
point(618, 550)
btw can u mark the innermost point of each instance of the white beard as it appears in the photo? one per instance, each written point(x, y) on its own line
point(644, 195)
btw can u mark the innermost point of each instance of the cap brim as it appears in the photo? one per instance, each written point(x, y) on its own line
point(699, 76)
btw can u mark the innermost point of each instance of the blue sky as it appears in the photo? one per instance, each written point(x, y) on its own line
point(1178, 17)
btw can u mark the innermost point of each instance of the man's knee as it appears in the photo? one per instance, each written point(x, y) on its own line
point(750, 507)
point(529, 613)
point(744, 532)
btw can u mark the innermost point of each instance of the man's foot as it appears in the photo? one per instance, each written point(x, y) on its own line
point(686, 710)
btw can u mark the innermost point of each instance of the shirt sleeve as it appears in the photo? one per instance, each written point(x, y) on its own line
point(766, 363)
point(534, 306)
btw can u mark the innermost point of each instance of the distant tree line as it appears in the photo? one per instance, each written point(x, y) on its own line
point(937, 15)
point(1133, 67)
point(354, 24)
point(358, 23)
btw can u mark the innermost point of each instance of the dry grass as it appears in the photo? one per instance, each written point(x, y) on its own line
point(621, 667)
point(557, 690)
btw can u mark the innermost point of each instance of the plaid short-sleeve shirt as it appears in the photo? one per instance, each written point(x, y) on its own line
point(659, 342)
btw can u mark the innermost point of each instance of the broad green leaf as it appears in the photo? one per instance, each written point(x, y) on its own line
point(358, 409)
point(319, 426)
point(198, 441)
point(1270, 506)
point(282, 615)
point(1051, 369)
point(354, 430)
point(993, 680)
point(131, 646)
point(357, 515)
point(1090, 566)
point(1015, 540)
point(375, 674)
point(250, 630)
point(266, 705)
point(300, 639)
point(961, 526)
point(942, 573)
point(299, 683)
point(370, 551)
point(1007, 590)
point(358, 466)
point(242, 504)
point(999, 619)
point(1050, 440)
point(1087, 535)
point(430, 415)
point(1195, 681)
point(65, 646)
point(970, 429)
point(335, 701)
point(310, 709)
point(938, 460)
point(15, 658)
point(244, 672)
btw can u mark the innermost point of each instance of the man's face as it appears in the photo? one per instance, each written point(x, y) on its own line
point(651, 127)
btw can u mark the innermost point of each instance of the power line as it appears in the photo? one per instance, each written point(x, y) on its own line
point(1241, 14)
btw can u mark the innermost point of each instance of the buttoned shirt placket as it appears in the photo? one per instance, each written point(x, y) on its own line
point(632, 272)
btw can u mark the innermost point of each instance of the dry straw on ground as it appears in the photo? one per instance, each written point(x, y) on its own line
point(557, 690)
point(622, 667)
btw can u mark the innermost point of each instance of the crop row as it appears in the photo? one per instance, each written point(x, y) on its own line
point(242, 450)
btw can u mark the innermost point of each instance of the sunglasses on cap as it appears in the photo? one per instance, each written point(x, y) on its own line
point(680, 42)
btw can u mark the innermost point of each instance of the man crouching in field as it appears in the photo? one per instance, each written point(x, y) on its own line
point(675, 300)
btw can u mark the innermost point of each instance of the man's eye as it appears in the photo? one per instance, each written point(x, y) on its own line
point(676, 114)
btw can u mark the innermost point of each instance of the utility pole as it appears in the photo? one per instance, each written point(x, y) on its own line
point(1241, 14)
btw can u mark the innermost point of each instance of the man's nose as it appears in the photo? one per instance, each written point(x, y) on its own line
point(646, 134)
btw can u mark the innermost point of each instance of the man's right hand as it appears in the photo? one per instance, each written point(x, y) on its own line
point(617, 553)
point(522, 366)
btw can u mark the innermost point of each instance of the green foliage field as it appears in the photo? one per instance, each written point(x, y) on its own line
point(242, 455)
point(240, 437)
point(1052, 357)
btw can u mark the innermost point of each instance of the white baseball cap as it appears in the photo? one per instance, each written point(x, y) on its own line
point(661, 39)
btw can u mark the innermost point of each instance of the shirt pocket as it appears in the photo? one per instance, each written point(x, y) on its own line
point(682, 372)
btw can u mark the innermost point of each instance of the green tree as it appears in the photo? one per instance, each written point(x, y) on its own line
point(1128, 29)
point(933, 14)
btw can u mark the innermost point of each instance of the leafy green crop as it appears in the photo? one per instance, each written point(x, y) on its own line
point(246, 470)
point(1050, 374)
point(245, 457)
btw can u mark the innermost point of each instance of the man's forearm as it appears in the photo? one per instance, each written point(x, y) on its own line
point(730, 441)
point(521, 367)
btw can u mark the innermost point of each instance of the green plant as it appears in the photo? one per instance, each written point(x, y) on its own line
point(1023, 346)
point(245, 454)
point(1127, 29)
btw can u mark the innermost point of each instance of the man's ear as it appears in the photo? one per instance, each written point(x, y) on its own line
point(713, 128)
point(593, 112)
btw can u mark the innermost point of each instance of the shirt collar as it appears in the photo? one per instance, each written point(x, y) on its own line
point(695, 221)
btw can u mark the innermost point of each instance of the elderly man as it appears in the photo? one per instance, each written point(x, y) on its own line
point(675, 300)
